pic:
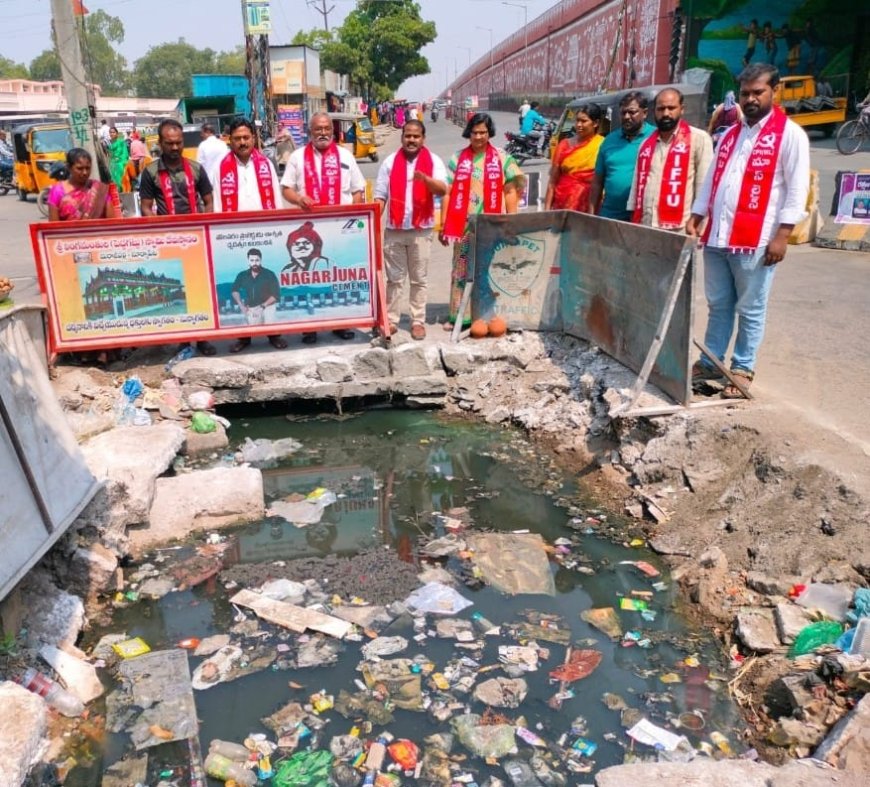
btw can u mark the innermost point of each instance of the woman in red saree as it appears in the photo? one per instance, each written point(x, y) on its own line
point(574, 163)
point(79, 197)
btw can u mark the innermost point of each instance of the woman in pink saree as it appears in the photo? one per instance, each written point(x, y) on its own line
point(79, 197)
point(574, 163)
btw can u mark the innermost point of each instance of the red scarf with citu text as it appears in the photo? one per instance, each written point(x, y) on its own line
point(323, 187)
point(166, 187)
point(757, 180)
point(229, 184)
point(422, 201)
point(675, 177)
point(460, 192)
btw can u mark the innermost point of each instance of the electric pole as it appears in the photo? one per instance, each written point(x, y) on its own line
point(80, 98)
point(320, 7)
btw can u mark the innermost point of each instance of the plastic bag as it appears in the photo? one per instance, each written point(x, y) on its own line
point(202, 423)
point(405, 753)
point(305, 769)
point(815, 635)
point(201, 400)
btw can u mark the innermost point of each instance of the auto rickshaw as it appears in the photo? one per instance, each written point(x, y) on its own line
point(357, 132)
point(37, 147)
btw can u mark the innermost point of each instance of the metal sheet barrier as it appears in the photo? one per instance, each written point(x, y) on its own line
point(604, 281)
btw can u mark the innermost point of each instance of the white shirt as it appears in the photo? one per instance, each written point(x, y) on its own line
point(210, 151)
point(105, 136)
point(248, 186)
point(382, 188)
point(352, 179)
point(788, 194)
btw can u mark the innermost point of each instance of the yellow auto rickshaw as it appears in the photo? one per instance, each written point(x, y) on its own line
point(37, 147)
point(355, 131)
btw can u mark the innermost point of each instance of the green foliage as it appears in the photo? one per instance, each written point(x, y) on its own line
point(9, 69)
point(316, 39)
point(378, 45)
point(232, 62)
point(165, 70)
point(721, 80)
point(46, 66)
point(105, 66)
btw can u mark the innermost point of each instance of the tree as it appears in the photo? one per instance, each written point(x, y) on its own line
point(378, 45)
point(231, 62)
point(105, 67)
point(9, 69)
point(45, 66)
point(165, 70)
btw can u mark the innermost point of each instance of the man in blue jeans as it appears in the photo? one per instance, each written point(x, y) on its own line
point(753, 195)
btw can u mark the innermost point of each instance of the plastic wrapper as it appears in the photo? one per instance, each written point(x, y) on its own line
point(405, 753)
point(825, 632)
point(485, 740)
point(304, 769)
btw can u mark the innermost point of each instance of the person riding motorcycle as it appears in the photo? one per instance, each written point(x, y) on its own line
point(532, 125)
point(6, 157)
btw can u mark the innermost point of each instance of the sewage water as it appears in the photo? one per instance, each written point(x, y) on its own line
point(394, 472)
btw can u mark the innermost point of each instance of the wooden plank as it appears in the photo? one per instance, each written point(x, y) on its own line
point(290, 616)
point(722, 368)
point(672, 409)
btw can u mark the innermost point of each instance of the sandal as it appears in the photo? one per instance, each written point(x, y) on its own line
point(239, 345)
point(731, 391)
point(278, 342)
point(701, 372)
point(207, 348)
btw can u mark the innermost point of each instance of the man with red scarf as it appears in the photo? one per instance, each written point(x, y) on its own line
point(173, 185)
point(408, 181)
point(671, 165)
point(246, 180)
point(753, 195)
point(322, 173)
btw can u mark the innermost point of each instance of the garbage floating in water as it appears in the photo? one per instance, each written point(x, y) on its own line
point(396, 637)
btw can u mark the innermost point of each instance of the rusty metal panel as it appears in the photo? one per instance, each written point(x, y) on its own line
point(597, 279)
point(615, 280)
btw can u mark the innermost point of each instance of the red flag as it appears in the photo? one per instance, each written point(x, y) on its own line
point(79, 8)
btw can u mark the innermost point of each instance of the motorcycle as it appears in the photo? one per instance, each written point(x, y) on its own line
point(59, 171)
point(433, 115)
point(7, 176)
point(524, 147)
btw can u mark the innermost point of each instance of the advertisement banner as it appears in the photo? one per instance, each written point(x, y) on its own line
point(288, 77)
point(853, 198)
point(124, 282)
point(257, 17)
point(292, 117)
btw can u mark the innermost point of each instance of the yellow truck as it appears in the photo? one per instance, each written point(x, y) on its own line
point(814, 104)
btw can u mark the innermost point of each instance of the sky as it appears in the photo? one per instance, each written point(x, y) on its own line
point(463, 28)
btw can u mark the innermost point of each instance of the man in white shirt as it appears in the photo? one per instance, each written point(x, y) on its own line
point(322, 173)
point(753, 195)
point(408, 181)
point(103, 134)
point(671, 165)
point(212, 148)
point(244, 179)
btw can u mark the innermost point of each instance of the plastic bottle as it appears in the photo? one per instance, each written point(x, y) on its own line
point(376, 755)
point(232, 751)
point(183, 354)
point(53, 693)
point(219, 767)
point(483, 625)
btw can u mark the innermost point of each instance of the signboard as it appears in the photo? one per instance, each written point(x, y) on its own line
point(853, 198)
point(210, 276)
point(257, 17)
point(292, 117)
point(288, 77)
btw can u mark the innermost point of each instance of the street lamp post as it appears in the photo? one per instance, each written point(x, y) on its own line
point(488, 30)
point(468, 50)
point(525, 8)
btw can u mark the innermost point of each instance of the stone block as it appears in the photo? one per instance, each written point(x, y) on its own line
point(790, 619)
point(788, 694)
point(372, 364)
point(768, 585)
point(22, 732)
point(201, 500)
point(433, 384)
point(213, 372)
point(334, 369)
point(756, 629)
point(409, 360)
point(847, 745)
point(129, 459)
point(196, 444)
point(92, 570)
point(54, 617)
point(458, 359)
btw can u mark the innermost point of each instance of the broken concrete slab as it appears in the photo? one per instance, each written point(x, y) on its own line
point(213, 372)
point(770, 585)
point(79, 677)
point(372, 364)
point(847, 745)
point(22, 732)
point(290, 616)
point(129, 459)
point(422, 386)
point(790, 620)
point(409, 360)
point(756, 629)
point(54, 617)
point(201, 500)
point(92, 570)
point(334, 369)
point(196, 444)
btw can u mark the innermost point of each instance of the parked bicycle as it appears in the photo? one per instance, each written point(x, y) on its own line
point(855, 134)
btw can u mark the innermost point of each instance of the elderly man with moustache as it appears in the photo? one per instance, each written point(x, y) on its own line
point(322, 173)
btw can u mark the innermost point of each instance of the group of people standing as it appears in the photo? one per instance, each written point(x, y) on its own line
point(743, 200)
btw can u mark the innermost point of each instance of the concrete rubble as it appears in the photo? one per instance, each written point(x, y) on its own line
point(23, 725)
point(701, 489)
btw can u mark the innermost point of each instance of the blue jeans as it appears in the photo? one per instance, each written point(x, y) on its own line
point(736, 285)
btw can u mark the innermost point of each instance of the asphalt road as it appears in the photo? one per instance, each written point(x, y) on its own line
point(813, 367)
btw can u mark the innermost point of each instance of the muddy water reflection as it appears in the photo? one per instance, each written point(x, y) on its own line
point(392, 471)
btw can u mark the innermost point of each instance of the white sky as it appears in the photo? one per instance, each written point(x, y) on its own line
point(218, 24)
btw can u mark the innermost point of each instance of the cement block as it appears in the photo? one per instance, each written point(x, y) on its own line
point(196, 444)
point(422, 386)
point(213, 372)
point(22, 732)
point(334, 369)
point(770, 586)
point(847, 745)
point(756, 630)
point(54, 617)
point(92, 570)
point(409, 360)
point(372, 364)
point(202, 500)
point(790, 619)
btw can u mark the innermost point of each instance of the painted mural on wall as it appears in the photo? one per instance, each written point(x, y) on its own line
point(797, 36)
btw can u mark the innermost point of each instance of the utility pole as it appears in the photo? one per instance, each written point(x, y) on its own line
point(320, 8)
point(80, 98)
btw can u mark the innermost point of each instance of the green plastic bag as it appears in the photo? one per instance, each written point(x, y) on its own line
point(825, 632)
point(202, 423)
point(305, 769)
